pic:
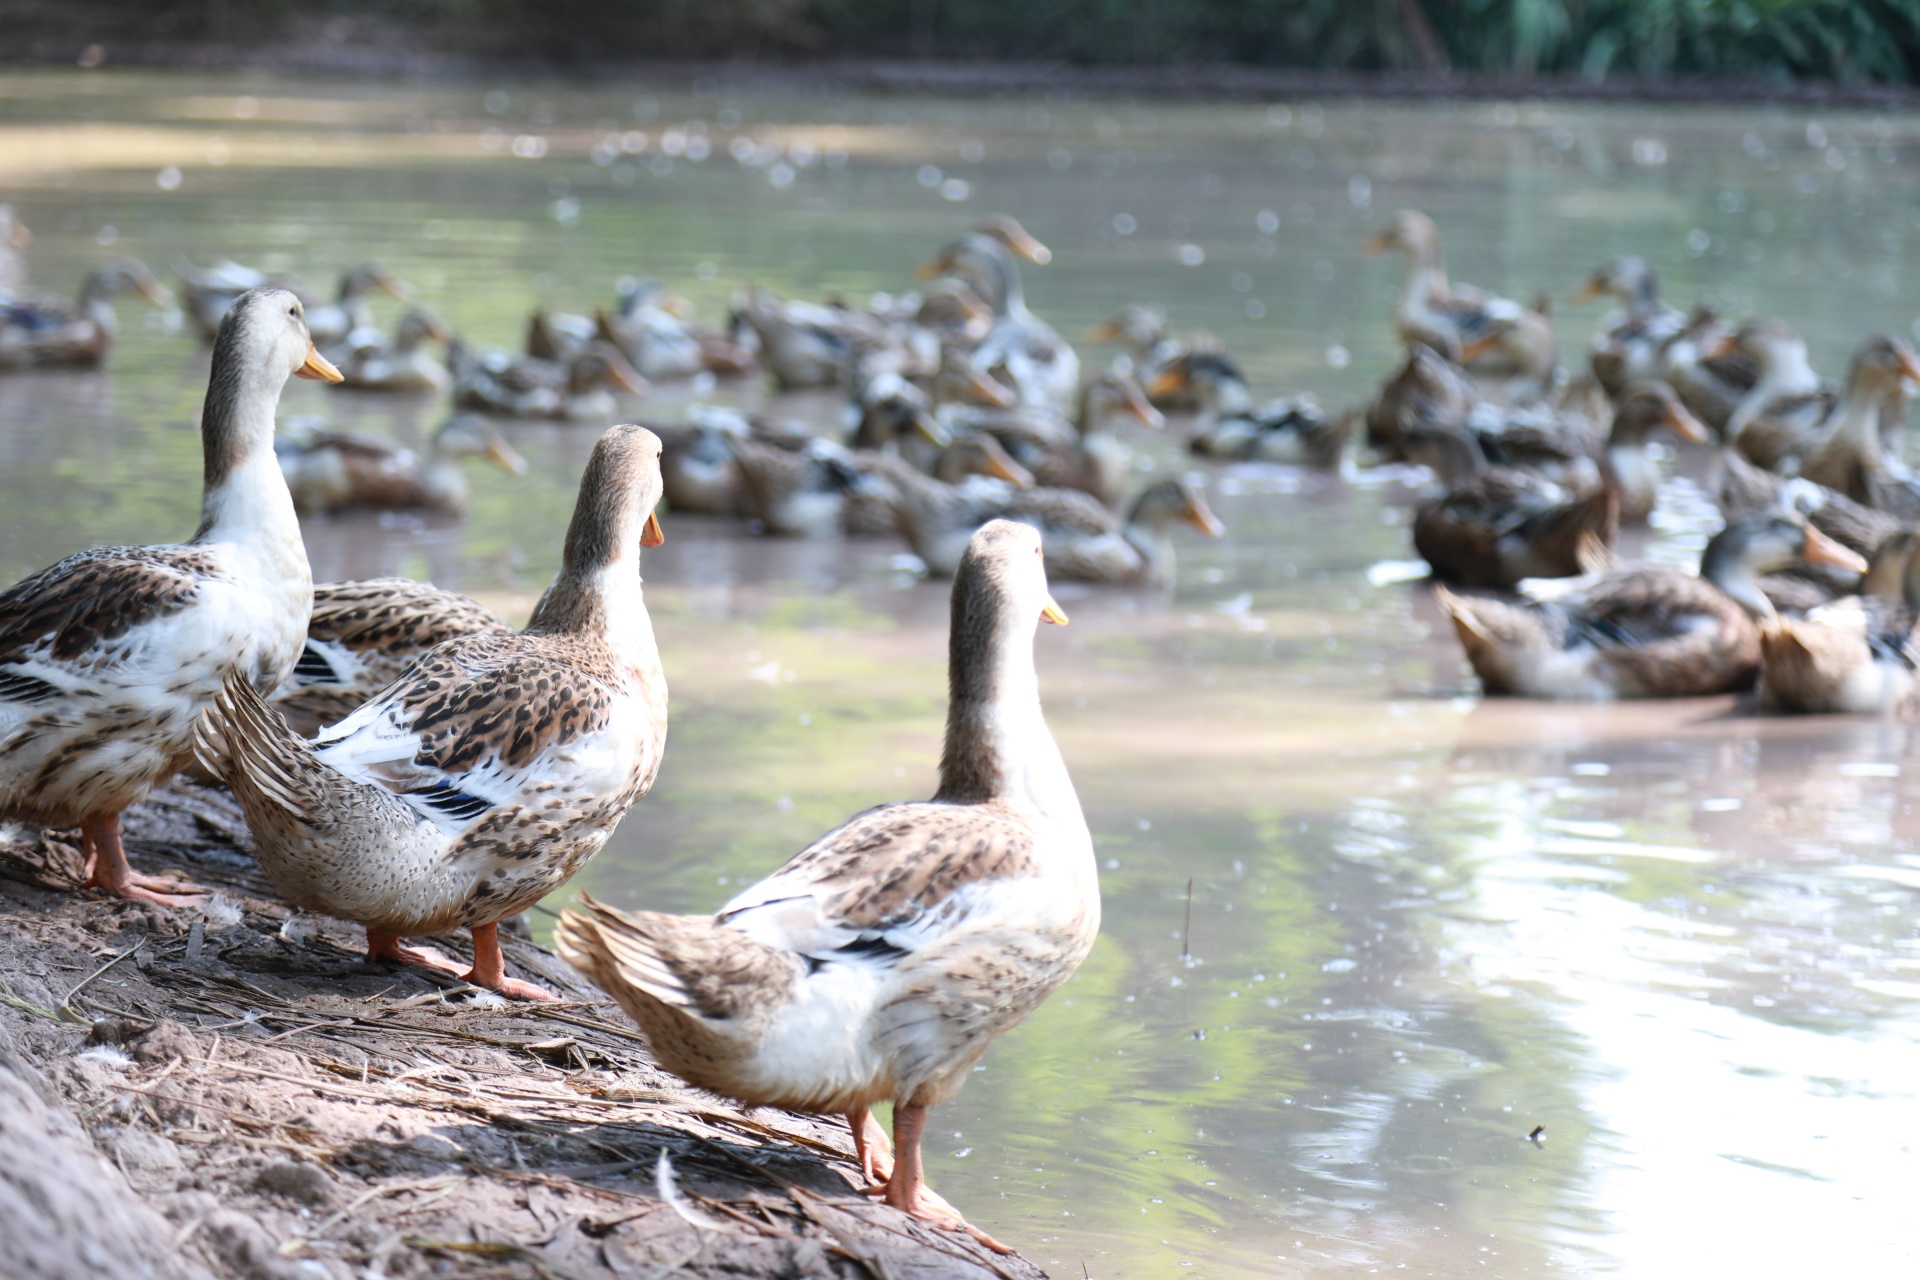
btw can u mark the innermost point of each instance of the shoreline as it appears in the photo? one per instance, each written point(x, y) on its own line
point(231, 1091)
point(373, 48)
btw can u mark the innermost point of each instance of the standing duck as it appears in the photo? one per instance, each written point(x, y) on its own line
point(1021, 349)
point(1448, 317)
point(1493, 526)
point(879, 963)
point(1846, 452)
point(107, 657)
point(329, 470)
point(46, 334)
point(490, 771)
point(363, 635)
point(1629, 346)
point(1653, 631)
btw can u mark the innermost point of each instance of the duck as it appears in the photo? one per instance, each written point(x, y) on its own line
point(405, 364)
point(1446, 316)
point(1710, 375)
point(1787, 401)
point(697, 468)
point(1493, 526)
point(880, 962)
point(1095, 462)
point(649, 326)
point(578, 390)
point(803, 344)
point(1743, 489)
point(1020, 349)
point(491, 770)
point(1518, 342)
point(332, 470)
point(1626, 464)
point(1084, 540)
point(335, 322)
point(363, 635)
point(1141, 332)
point(1629, 347)
point(1427, 390)
point(38, 334)
point(1846, 452)
point(813, 488)
point(1231, 427)
point(107, 657)
point(1652, 631)
point(1856, 655)
point(207, 292)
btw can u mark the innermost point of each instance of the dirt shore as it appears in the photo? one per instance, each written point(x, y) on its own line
point(234, 1092)
point(55, 33)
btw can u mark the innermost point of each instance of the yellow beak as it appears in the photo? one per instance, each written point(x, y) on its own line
point(317, 367)
point(1052, 612)
point(1820, 549)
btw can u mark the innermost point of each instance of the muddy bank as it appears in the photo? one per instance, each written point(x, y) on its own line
point(234, 1092)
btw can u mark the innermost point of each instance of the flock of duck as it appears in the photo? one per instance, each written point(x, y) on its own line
point(1809, 592)
point(409, 761)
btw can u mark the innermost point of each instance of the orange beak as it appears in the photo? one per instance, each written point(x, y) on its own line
point(1910, 367)
point(1685, 425)
point(1588, 292)
point(932, 270)
point(1052, 612)
point(394, 287)
point(1027, 247)
point(1169, 380)
point(1001, 467)
point(1722, 349)
point(1379, 242)
point(624, 376)
point(1139, 409)
point(317, 367)
point(651, 535)
point(1100, 333)
point(1820, 549)
point(1204, 520)
point(1479, 347)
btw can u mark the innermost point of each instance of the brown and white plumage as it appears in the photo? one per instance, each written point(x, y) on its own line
point(880, 963)
point(1856, 654)
point(1494, 525)
point(363, 635)
point(492, 769)
point(1020, 349)
point(330, 470)
point(1651, 631)
point(1629, 347)
point(1503, 336)
point(404, 364)
point(47, 333)
point(107, 657)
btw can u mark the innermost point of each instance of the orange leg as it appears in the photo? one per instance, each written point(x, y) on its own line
point(907, 1189)
point(871, 1148)
point(389, 947)
point(490, 968)
point(107, 868)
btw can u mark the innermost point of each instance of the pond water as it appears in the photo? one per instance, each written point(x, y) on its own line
point(1675, 942)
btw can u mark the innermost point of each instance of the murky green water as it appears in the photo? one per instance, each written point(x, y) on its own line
point(1679, 940)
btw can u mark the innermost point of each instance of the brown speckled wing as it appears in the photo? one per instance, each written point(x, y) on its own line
point(503, 697)
point(98, 596)
point(890, 866)
point(397, 615)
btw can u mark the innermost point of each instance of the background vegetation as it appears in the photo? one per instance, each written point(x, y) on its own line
point(1849, 40)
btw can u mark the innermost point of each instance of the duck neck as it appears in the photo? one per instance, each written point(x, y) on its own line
point(1859, 421)
point(998, 749)
point(244, 499)
point(597, 594)
point(1725, 565)
point(1426, 275)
